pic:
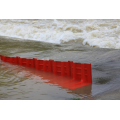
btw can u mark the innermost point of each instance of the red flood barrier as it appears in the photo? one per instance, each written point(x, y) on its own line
point(2, 57)
point(39, 64)
point(7, 59)
point(44, 65)
point(27, 62)
point(14, 60)
point(79, 74)
point(61, 68)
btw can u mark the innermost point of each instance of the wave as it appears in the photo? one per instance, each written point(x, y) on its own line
point(98, 33)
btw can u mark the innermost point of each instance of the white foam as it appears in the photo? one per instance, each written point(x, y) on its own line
point(100, 33)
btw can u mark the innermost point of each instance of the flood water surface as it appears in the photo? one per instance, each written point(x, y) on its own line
point(18, 82)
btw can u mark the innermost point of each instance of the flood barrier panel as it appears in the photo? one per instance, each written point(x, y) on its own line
point(80, 73)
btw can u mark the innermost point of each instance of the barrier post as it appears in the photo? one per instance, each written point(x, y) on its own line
point(17, 60)
point(44, 65)
point(28, 64)
point(54, 67)
point(36, 63)
point(74, 71)
point(20, 61)
point(69, 68)
point(62, 69)
point(82, 73)
point(10, 60)
point(4, 58)
point(90, 73)
point(51, 65)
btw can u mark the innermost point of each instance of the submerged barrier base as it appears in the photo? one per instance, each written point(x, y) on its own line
point(67, 74)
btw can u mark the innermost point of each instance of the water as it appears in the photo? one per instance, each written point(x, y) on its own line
point(100, 33)
point(83, 41)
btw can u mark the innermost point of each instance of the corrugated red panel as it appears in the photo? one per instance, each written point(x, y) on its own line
point(30, 63)
point(75, 74)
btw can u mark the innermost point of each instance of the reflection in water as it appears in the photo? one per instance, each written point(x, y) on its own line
point(84, 92)
point(83, 41)
point(21, 79)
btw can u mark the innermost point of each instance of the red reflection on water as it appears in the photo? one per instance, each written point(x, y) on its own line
point(65, 82)
point(48, 77)
point(84, 92)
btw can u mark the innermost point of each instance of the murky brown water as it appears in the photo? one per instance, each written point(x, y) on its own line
point(83, 41)
point(17, 82)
